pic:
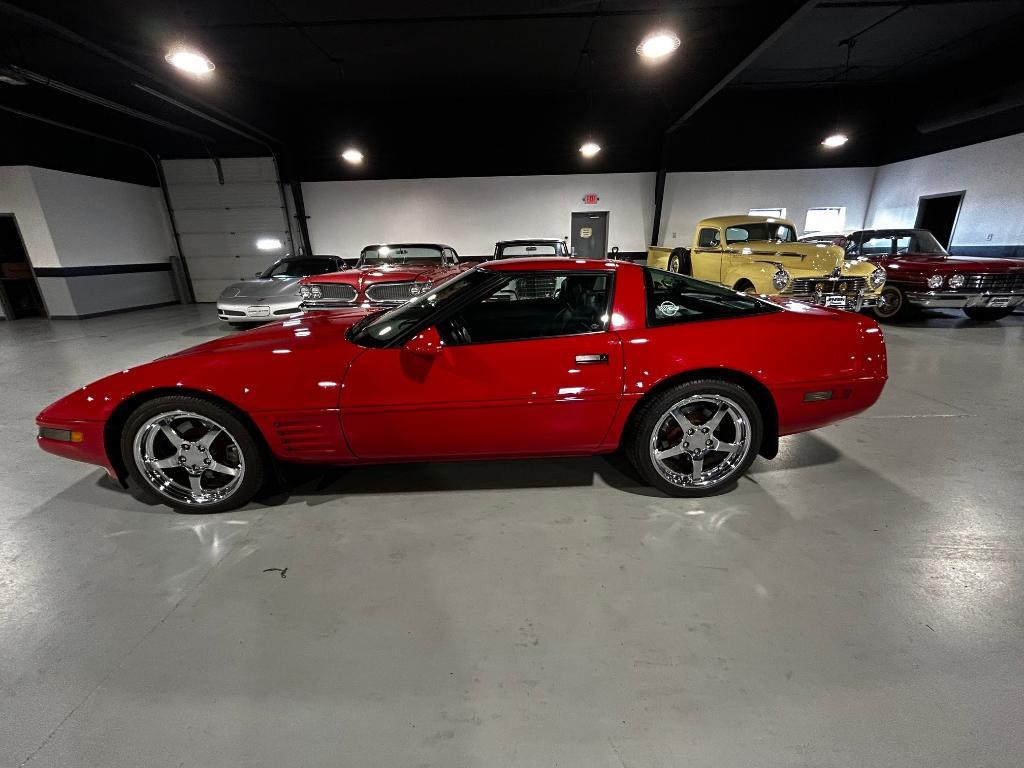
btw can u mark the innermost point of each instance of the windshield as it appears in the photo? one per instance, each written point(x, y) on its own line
point(768, 231)
point(380, 330)
point(894, 242)
point(298, 268)
point(530, 249)
point(411, 255)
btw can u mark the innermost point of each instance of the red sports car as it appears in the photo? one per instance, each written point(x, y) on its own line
point(921, 274)
point(385, 275)
point(691, 380)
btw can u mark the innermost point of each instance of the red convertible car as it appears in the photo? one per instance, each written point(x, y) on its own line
point(385, 275)
point(921, 274)
point(691, 380)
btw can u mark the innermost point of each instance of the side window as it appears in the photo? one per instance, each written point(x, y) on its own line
point(451, 256)
point(534, 305)
point(708, 238)
point(736, 235)
point(673, 298)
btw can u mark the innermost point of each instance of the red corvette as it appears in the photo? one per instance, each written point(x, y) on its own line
point(692, 380)
point(385, 275)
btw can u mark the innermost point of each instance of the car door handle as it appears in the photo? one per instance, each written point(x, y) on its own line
point(591, 359)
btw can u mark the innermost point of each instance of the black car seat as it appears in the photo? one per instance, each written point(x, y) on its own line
point(580, 311)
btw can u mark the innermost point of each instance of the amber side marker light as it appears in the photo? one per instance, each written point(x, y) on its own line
point(64, 435)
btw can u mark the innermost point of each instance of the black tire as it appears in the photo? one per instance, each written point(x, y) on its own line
point(892, 305)
point(238, 449)
point(987, 314)
point(679, 261)
point(651, 420)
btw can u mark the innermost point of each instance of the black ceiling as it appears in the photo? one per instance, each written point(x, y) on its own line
point(480, 87)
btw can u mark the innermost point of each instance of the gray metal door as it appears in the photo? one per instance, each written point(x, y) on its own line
point(590, 234)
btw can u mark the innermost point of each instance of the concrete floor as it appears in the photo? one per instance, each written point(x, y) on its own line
point(856, 602)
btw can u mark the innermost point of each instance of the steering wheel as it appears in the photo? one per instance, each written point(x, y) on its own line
point(458, 331)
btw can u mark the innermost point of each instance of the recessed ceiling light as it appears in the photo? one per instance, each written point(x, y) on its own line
point(268, 244)
point(352, 155)
point(590, 149)
point(658, 45)
point(835, 140)
point(189, 60)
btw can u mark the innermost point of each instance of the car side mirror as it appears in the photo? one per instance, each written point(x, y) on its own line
point(426, 343)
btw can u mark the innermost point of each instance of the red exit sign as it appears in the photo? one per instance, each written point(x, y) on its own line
point(590, 198)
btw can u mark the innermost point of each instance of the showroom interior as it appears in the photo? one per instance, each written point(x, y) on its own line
point(361, 577)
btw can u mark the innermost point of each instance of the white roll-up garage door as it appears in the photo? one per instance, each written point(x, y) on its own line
point(219, 223)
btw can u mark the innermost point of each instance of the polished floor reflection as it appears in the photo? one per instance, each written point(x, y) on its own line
point(857, 602)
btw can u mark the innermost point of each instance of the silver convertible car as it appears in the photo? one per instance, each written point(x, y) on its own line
point(273, 292)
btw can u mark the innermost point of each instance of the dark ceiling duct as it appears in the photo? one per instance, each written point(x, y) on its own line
point(993, 103)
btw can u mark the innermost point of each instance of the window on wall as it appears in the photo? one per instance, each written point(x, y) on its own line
point(829, 219)
point(775, 213)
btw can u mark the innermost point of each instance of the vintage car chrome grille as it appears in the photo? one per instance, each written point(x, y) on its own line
point(808, 286)
point(995, 283)
point(391, 293)
point(336, 291)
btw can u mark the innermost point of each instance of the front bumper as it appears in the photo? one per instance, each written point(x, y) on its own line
point(339, 304)
point(954, 300)
point(850, 302)
point(246, 311)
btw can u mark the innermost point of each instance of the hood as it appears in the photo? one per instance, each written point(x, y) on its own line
point(384, 274)
point(942, 264)
point(306, 330)
point(262, 289)
point(816, 258)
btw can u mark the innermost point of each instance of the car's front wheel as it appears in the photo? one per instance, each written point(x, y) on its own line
point(892, 304)
point(696, 438)
point(987, 314)
point(191, 454)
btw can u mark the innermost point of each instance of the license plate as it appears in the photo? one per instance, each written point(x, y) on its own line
point(999, 301)
point(835, 301)
point(258, 311)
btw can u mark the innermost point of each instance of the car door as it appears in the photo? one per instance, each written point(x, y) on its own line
point(706, 257)
point(520, 389)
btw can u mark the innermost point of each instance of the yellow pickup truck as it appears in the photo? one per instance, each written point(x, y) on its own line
point(762, 255)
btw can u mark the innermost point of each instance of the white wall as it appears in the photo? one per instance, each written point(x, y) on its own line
point(18, 196)
point(95, 222)
point(470, 213)
point(690, 197)
point(992, 173)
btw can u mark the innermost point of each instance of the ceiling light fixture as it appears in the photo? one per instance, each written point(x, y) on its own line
point(590, 149)
point(189, 60)
point(268, 244)
point(352, 155)
point(835, 140)
point(658, 45)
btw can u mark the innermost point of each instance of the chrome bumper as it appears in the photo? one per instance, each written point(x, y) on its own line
point(851, 303)
point(338, 304)
point(253, 312)
point(939, 299)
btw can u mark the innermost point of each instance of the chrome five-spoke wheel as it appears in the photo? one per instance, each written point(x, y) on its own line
point(696, 438)
point(192, 454)
point(188, 457)
point(700, 440)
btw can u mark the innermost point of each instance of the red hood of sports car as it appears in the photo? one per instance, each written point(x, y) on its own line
point(388, 273)
point(937, 263)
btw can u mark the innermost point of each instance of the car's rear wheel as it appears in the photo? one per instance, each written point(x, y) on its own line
point(892, 304)
point(696, 438)
point(191, 454)
point(987, 314)
point(679, 261)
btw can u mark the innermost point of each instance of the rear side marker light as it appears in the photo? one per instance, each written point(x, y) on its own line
point(813, 397)
point(64, 435)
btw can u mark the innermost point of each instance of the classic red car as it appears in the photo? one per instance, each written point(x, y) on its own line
point(385, 275)
point(922, 274)
point(691, 380)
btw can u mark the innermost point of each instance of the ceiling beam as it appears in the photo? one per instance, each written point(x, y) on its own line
point(780, 30)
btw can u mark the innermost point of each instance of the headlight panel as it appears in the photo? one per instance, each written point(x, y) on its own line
point(877, 278)
point(418, 289)
point(315, 292)
point(957, 281)
point(935, 281)
point(780, 279)
point(303, 291)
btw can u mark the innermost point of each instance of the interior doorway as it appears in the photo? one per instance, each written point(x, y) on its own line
point(590, 234)
point(19, 291)
point(938, 214)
